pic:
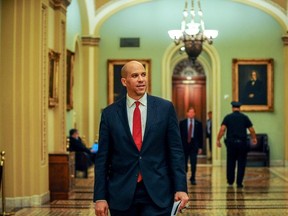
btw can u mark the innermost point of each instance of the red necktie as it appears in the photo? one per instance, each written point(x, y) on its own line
point(190, 131)
point(137, 131)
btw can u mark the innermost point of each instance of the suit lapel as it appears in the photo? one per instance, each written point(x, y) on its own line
point(151, 115)
point(122, 113)
point(186, 127)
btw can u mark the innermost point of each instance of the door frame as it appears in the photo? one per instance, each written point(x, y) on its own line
point(213, 80)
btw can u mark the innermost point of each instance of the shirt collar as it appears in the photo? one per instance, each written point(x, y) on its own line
point(191, 120)
point(142, 100)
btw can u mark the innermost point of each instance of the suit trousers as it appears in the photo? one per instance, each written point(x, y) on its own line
point(143, 205)
point(236, 152)
point(191, 153)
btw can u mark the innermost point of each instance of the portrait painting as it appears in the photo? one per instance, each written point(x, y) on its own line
point(53, 78)
point(253, 84)
point(115, 88)
point(70, 78)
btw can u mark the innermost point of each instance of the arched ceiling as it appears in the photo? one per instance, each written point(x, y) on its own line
point(95, 12)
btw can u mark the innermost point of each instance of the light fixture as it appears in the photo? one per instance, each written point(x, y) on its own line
point(192, 34)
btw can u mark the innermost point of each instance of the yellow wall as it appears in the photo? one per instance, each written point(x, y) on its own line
point(28, 30)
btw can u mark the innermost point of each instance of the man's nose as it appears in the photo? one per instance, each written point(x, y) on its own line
point(140, 78)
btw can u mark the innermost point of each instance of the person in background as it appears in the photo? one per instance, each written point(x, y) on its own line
point(192, 140)
point(209, 130)
point(236, 125)
point(139, 168)
point(83, 155)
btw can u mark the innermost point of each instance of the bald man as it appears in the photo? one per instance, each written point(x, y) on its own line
point(139, 168)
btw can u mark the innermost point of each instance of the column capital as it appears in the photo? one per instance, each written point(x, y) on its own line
point(285, 39)
point(60, 4)
point(90, 41)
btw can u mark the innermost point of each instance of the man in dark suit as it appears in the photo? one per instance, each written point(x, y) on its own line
point(139, 168)
point(192, 140)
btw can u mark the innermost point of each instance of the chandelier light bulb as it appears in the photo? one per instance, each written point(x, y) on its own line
point(193, 34)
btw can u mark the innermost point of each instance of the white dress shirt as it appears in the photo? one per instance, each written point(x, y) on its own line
point(143, 109)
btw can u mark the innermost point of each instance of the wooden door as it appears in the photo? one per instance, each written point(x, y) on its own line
point(190, 92)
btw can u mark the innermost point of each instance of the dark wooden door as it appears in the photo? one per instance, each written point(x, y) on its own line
point(190, 92)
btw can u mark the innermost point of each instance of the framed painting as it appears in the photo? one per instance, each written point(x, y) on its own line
point(253, 84)
point(53, 78)
point(115, 88)
point(69, 80)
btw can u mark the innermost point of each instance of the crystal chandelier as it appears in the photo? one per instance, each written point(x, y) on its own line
point(192, 34)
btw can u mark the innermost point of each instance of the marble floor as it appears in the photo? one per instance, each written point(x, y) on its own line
point(265, 193)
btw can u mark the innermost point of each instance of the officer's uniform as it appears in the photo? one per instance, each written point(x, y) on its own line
point(236, 143)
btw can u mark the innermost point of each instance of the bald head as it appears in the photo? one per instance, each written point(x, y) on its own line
point(130, 66)
point(134, 79)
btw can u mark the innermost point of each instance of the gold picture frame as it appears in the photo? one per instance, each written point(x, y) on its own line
point(253, 84)
point(70, 79)
point(115, 88)
point(53, 78)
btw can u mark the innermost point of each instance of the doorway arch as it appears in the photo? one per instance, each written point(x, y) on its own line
point(212, 67)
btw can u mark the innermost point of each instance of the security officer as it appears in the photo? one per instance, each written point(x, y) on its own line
point(236, 124)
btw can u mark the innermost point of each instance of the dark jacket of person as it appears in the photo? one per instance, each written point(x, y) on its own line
point(160, 160)
point(83, 156)
point(197, 136)
point(236, 124)
point(77, 145)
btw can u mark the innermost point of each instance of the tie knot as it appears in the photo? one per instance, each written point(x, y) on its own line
point(137, 103)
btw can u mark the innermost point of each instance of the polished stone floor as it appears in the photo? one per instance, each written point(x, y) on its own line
point(265, 193)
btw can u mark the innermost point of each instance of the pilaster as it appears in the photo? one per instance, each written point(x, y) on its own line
point(57, 117)
point(26, 173)
point(285, 43)
point(88, 116)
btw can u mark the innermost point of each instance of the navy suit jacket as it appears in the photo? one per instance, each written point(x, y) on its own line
point(197, 136)
point(160, 161)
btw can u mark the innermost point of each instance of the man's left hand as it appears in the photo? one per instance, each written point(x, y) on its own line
point(183, 196)
point(199, 151)
point(254, 141)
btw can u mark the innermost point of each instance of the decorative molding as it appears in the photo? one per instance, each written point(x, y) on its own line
point(185, 68)
point(44, 83)
point(27, 201)
point(90, 41)
point(60, 5)
point(285, 39)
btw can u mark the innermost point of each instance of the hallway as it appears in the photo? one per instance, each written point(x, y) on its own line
point(265, 193)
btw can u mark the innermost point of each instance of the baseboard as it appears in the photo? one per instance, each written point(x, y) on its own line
point(275, 163)
point(27, 201)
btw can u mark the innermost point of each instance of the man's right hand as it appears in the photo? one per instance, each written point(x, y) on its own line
point(101, 208)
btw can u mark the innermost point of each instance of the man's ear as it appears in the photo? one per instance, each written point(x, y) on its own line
point(123, 80)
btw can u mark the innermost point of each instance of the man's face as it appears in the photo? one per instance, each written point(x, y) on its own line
point(191, 113)
point(76, 135)
point(254, 75)
point(135, 80)
point(210, 115)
